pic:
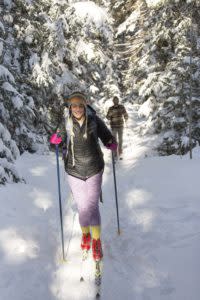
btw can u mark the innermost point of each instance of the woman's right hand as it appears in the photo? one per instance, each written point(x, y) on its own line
point(55, 139)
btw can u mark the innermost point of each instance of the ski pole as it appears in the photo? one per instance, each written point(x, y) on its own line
point(115, 185)
point(101, 197)
point(60, 203)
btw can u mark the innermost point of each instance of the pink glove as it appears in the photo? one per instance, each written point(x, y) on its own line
point(112, 146)
point(55, 139)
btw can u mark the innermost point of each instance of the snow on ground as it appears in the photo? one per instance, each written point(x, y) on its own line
point(156, 257)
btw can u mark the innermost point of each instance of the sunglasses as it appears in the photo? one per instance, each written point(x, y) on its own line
point(76, 105)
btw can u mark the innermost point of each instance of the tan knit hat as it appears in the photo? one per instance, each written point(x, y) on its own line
point(73, 95)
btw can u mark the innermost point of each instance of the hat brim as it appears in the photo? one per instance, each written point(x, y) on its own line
point(75, 95)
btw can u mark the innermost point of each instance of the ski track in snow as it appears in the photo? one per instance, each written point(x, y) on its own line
point(156, 256)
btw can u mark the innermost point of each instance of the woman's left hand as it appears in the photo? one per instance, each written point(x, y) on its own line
point(112, 146)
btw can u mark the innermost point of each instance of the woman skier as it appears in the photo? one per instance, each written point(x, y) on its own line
point(84, 165)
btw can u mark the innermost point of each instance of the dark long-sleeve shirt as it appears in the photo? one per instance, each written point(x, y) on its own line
point(116, 115)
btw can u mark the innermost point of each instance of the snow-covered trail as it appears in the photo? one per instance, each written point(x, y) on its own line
point(156, 256)
point(27, 241)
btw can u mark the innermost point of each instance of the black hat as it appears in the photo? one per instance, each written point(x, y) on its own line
point(115, 98)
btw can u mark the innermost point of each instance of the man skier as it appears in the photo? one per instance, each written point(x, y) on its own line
point(117, 114)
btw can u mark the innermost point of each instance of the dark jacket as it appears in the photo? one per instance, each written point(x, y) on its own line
point(87, 152)
point(116, 115)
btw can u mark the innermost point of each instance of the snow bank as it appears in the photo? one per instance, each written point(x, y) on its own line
point(91, 12)
point(152, 3)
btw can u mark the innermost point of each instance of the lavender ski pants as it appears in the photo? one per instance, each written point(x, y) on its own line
point(86, 195)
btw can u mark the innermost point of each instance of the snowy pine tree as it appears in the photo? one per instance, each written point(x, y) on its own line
point(49, 49)
point(20, 122)
point(157, 69)
point(144, 51)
